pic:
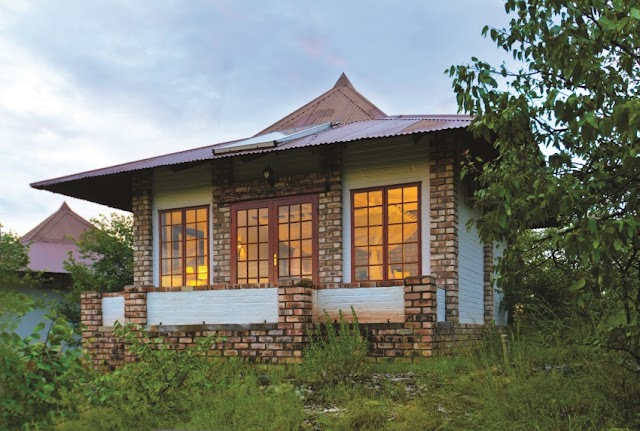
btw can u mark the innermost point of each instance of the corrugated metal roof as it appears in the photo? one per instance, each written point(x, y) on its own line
point(52, 239)
point(352, 115)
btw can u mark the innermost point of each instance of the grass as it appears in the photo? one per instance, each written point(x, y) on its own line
point(548, 385)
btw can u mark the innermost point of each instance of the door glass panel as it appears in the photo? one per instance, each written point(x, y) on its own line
point(252, 243)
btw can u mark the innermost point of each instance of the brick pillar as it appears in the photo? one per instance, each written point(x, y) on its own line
point(221, 223)
point(135, 311)
point(142, 229)
point(488, 284)
point(443, 204)
point(295, 315)
point(90, 313)
point(330, 229)
point(420, 313)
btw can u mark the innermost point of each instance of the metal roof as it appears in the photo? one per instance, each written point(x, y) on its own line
point(352, 117)
point(51, 240)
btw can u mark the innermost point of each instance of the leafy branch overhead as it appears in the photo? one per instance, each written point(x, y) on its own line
point(565, 122)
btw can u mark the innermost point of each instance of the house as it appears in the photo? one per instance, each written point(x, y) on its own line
point(335, 205)
point(51, 241)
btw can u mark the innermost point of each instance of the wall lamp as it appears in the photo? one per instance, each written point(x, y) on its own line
point(269, 177)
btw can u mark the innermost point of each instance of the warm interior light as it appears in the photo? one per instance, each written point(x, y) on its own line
point(189, 269)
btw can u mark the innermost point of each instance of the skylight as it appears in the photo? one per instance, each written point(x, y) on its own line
point(269, 140)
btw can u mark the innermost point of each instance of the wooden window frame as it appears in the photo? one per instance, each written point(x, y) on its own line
point(385, 223)
point(272, 205)
point(183, 244)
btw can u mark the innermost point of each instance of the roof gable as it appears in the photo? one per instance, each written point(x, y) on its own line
point(342, 103)
point(63, 226)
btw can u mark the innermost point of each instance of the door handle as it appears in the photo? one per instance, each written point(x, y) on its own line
point(275, 259)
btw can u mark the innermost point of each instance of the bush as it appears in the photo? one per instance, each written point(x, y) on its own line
point(40, 381)
point(335, 354)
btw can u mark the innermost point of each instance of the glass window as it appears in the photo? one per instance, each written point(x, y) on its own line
point(184, 247)
point(386, 233)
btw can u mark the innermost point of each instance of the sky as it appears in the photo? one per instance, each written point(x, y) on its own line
point(90, 84)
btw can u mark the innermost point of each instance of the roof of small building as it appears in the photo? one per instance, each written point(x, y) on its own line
point(351, 116)
point(51, 240)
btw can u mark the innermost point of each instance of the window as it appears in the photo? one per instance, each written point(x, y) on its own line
point(385, 233)
point(274, 240)
point(184, 247)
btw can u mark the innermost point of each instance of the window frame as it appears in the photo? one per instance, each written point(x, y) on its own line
point(272, 205)
point(385, 224)
point(183, 244)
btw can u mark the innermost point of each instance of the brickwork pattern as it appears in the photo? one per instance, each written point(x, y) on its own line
point(327, 185)
point(443, 206)
point(141, 207)
point(488, 285)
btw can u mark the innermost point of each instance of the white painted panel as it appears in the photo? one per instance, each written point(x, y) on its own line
point(112, 310)
point(241, 306)
point(372, 305)
point(471, 265)
point(500, 316)
point(440, 298)
point(187, 188)
point(384, 163)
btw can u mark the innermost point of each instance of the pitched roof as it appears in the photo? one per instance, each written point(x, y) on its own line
point(351, 115)
point(342, 104)
point(52, 240)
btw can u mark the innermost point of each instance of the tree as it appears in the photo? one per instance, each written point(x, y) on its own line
point(110, 249)
point(575, 95)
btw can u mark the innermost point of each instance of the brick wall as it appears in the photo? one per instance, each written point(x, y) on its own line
point(141, 207)
point(488, 284)
point(453, 337)
point(443, 205)
point(327, 185)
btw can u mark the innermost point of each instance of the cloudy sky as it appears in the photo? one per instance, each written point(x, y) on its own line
point(88, 84)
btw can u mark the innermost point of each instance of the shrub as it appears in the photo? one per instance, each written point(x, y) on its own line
point(335, 354)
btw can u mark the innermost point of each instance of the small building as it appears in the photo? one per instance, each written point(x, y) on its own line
point(51, 241)
point(336, 205)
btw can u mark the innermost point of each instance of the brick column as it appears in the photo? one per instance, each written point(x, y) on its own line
point(221, 223)
point(488, 284)
point(295, 316)
point(90, 314)
point(141, 207)
point(443, 204)
point(135, 311)
point(420, 313)
point(330, 229)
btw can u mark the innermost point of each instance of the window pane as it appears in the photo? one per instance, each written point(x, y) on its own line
point(283, 214)
point(166, 250)
point(242, 218)
point(361, 255)
point(375, 216)
point(410, 213)
point(295, 230)
point(190, 249)
point(283, 268)
point(263, 251)
point(242, 271)
point(283, 250)
point(375, 198)
point(294, 248)
point(410, 194)
point(242, 252)
point(410, 254)
point(166, 267)
point(263, 233)
point(307, 248)
point(253, 269)
point(307, 268)
point(176, 249)
point(201, 214)
point(294, 213)
point(360, 217)
point(252, 217)
point(252, 252)
point(306, 230)
point(201, 230)
point(176, 281)
point(394, 196)
point(375, 235)
point(283, 232)
point(410, 232)
point(165, 218)
point(263, 215)
point(253, 234)
point(264, 268)
point(411, 270)
point(294, 268)
point(395, 234)
point(176, 217)
point(395, 254)
point(359, 200)
point(375, 272)
point(360, 236)
point(242, 236)
point(307, 212)
point(394, 214)
point(361, 273)
point(176, 233)
point(166, 233)
point(190, 216)
point(375, 255)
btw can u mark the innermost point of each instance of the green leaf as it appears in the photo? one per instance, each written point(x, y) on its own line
point(578, 285)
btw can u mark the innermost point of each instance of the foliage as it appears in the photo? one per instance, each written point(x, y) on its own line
point(577, 96)
point(157, 378)
point(39, 380)
point(337, 353)
point(110, 249)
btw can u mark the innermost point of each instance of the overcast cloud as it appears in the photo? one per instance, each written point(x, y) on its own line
point(89, 84)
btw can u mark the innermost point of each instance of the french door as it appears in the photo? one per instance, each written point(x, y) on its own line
point(274, 240)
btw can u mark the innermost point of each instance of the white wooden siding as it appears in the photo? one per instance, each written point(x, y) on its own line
point(382, 163)
point(241, 306)
point(372, 305)
point(187, 188)
point(500, 316)
point(470, 266)
point(441, 302)
point(112, 310)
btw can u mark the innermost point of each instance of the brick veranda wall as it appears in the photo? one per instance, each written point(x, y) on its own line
point(281, 342)
point(141, 207)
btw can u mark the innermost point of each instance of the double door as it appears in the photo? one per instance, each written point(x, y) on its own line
point(274, 240)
